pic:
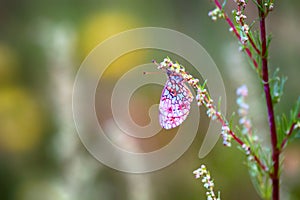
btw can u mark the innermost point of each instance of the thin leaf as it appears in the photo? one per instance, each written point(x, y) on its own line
point(259, 6)
point(224, 4)
point(269, 39)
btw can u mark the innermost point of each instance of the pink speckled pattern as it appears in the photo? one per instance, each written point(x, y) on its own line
point(175, 102)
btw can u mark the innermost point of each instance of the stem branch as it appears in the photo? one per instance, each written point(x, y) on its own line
point(271, 118)
point(287, 136)
point(230, 23)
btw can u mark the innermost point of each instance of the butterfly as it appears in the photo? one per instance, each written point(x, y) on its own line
point(175, 101)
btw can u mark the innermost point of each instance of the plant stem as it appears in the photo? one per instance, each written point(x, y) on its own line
point(287, 136)
point(236, 138)
point(241, 9)
point(272, 125)
point(230, 23)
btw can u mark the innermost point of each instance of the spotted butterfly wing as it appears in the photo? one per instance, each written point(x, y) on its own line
point(175, 102)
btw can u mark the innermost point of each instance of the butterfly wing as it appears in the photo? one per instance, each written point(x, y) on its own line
point(174, 104)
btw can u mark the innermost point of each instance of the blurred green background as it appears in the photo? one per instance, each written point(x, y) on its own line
point(42, 44)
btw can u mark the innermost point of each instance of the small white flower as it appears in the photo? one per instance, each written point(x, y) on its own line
point(226, 136)
point(214, 18)
point(244, 39)
point(243, 16)
point(176, 65)
point(206, 185)
point(211, 112)
point(241, 2)
point(215, 14)
point(207, 182)
point(246, 148)
point(271, 7)
point(250, 158)
point(227, 144)
point(297, 125)
point(194, 81)
point(209, 198)
point(245, 28)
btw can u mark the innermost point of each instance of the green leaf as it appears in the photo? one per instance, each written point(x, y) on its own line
point(294, 118)
point(204, 84)
point(232, 117)
point(259, 6)
point(260, 180)
point(224, 4)
point(284, 124)
point(269, 39)
point(297, 134)
point(219, 104)
point(277, 86)
point(280, 129)
point(295, 111)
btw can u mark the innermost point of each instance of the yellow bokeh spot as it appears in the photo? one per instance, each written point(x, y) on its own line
point(21, 121)
point(100, 27)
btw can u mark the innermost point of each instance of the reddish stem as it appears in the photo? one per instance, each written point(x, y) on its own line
point(251, 57)
point(271, 118)
point(222, 120)
point(255, 157)
point(253, 44)
point(241, 8)
point(265, 76)
point(238, 140)
point(230, 23)
point(287, 136)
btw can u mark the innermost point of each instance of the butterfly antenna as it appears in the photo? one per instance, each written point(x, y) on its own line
point(154, 61)
point(146, 73)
